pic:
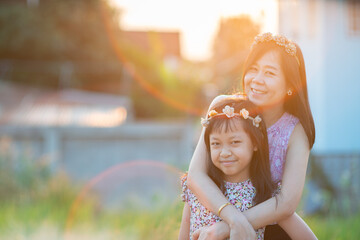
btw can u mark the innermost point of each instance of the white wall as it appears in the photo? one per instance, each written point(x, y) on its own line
point(332, 59)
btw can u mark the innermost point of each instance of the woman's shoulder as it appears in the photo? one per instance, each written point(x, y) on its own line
point(289, 120)
point(285, 124)
point(298, 135)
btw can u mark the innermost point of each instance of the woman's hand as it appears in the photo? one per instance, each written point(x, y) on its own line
point(217, 231)
point(242, 229)
point(218, 99)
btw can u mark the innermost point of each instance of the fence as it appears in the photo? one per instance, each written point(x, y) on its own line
point(333, 184)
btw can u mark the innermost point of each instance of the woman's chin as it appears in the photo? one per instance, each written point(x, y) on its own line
point(257, 100)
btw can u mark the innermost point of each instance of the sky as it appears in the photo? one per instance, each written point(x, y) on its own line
point(196, 20)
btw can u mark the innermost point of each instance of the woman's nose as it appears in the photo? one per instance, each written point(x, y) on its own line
point(258, 78)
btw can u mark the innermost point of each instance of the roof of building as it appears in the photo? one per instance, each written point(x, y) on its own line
point(167, 42)
point(34, 107)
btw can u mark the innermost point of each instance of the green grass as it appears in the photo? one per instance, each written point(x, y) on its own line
point(29, 221)
point(333, 227)
point(37, 205)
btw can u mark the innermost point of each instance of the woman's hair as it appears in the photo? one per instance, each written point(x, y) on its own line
point(293, 69)
point(259, 166)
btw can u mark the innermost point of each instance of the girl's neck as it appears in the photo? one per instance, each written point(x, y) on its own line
point(273, 114)
point(237, 179)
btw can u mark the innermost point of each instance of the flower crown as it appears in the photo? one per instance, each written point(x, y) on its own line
point(229, 112)
point(280, 40)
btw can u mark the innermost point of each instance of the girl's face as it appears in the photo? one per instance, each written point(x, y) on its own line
point(265, 82)
point(231, 152)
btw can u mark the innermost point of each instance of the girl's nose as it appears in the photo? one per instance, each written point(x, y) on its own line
point(225, 152)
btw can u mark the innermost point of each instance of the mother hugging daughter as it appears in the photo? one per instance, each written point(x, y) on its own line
point(231, 170)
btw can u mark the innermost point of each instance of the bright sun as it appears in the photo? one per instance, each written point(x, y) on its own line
point(197, 20)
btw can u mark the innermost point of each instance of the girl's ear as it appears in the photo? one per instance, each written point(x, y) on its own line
point(255, 148)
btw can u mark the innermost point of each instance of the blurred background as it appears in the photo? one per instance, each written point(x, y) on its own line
point(100, 102)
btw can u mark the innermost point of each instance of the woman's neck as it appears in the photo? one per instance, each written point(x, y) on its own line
point(272, 115)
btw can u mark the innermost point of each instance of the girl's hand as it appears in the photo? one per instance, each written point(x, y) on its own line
point(217, 231)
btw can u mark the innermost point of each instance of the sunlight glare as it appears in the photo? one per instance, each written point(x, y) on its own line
point(197, 21)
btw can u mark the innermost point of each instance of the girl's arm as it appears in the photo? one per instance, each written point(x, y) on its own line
point(266, 212)
point(184, 233)
point(296, 228)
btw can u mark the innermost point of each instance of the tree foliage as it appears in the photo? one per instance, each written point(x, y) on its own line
point(231, 46)
point(82, 41)
point(39, 41)
point(56, 30)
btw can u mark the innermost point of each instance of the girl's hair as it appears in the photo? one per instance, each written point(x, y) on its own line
point(259, 166)
point(294, 71)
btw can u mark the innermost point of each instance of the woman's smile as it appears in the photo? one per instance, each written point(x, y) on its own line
point(265, 82)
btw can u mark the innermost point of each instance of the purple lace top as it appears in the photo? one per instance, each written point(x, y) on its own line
point(279, 135)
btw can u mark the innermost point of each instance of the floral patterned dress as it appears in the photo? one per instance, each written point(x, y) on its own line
point(240, 195)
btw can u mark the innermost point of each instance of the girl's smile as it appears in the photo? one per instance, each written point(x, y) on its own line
point(231, 151)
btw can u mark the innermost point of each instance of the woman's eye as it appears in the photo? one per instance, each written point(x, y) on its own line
point(236, 142)
point(270, 73)
point(252, 69)
point(214, 144)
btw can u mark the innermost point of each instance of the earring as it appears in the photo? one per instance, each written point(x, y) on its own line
point(289, 92)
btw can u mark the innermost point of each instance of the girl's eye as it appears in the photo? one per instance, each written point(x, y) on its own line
point(270, 73)
point(236, 142)
point(214, 143)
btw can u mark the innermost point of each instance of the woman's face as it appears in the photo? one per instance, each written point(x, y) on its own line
point(265, 82)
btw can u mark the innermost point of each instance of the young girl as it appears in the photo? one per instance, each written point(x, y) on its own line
point(275, 81)
point(236, 142)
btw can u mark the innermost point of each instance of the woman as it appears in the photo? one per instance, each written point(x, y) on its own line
point(274, 79)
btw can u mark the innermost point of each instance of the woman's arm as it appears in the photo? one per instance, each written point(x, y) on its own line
point(198, 180)
point(210, 195)
point(264, 213)
point(296, 228)
point(292, 186)
point(184, 233)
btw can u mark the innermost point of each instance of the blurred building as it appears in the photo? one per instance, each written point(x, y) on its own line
point(85, 133)
point(328, 32)
point(329, 35)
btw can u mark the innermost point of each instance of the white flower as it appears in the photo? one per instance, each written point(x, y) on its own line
point(256, 121)
point(244, 113)
point(205, 122)
point(229, 111)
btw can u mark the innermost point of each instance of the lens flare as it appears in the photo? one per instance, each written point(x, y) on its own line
point(138, 77)
point(122, 167)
